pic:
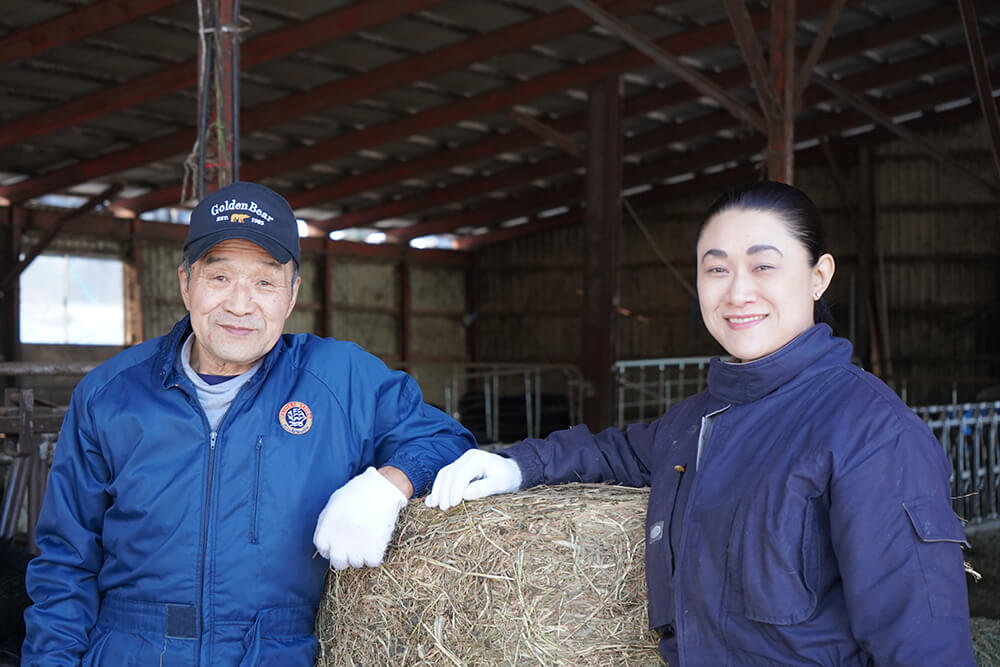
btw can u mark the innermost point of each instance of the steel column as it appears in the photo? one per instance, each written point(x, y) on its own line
point(403, 286)
point(133, 286)
point(602, 228)
point(977, 55)
point(218, 96)
point(780, 154)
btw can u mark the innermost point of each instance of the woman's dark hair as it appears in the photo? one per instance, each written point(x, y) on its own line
point(789, 204)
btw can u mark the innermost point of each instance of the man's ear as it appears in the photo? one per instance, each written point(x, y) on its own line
point(295, 296)
point(182, 278)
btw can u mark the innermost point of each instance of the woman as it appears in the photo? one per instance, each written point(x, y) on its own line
point(799, 512)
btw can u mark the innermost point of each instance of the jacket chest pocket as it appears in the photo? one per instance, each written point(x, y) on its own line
point(776, 551)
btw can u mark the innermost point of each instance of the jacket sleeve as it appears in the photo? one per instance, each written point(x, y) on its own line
point(62, 580)
point(577, 455)
point(898, 546)
point(413, 436)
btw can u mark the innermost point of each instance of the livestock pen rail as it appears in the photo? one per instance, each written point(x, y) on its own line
point(968, 432)
point(503, 402)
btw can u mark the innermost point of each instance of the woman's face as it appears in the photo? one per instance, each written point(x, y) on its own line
point(756, 286)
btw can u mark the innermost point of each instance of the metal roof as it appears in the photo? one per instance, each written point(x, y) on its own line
point(399, 113)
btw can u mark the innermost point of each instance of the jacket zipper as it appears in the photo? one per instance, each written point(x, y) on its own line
point(678, 602)
point(204, 537)
point(256, 493)
point(670, 523)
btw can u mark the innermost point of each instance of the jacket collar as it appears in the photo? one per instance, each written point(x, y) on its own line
point(170, 347)
point(814, 349)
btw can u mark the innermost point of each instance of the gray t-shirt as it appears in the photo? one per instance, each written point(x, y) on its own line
point(215, 399)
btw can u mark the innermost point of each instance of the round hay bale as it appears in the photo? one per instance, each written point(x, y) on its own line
point(550, 575)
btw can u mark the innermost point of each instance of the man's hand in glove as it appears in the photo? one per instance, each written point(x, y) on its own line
point(476, 474)
point(355, 527)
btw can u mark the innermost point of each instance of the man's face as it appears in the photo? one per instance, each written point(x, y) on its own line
point(239, 298)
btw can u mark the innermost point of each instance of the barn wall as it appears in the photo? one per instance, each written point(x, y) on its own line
point(939, 241)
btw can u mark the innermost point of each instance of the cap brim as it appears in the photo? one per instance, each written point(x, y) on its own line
point(194, 250)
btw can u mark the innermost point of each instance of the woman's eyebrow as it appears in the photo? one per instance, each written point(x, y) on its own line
point(714, 252)
point(763, 247)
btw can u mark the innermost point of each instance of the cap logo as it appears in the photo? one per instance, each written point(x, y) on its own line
point(253, 212)
point(295, 417)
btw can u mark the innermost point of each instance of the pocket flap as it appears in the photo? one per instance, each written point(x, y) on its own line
point(934, 521)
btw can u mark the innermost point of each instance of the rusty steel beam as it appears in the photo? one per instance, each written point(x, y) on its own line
point(676, 94)
point(569, 194)
point(75, 25)
point(706, 182)
point(917, 141)
point(506, 210)
point(816, 50)
point(977, 56)
point(753, 56)
point(671, 63)
point(53, 232)
point(780, 157)
point(705, 125)
point(485, 103)
point(342, 91)
point(458, 192)
point(269, 46)
point(547, 132)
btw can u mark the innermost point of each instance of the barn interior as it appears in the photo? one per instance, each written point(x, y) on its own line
point(502, 196)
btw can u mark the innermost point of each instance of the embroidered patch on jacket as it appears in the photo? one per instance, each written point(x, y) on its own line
point(295, 417)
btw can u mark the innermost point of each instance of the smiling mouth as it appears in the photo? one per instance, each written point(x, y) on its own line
point(747, 319)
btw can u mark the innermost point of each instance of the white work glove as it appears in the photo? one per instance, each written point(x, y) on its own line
point(355, 527)
point(476, 474)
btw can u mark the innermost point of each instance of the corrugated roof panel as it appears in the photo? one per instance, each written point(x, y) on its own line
point(414, 35)
point(523, 65)
point(356, 53)
point(481, 16)
point(466, 83)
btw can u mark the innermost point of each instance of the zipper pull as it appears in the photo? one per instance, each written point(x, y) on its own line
point(212, 442)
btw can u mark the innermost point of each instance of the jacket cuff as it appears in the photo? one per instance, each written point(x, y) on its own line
point(527, 460)
point(420, 476)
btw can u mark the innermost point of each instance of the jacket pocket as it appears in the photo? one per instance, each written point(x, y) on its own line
point(774, 559)
point(939, 538)
point(255, 492)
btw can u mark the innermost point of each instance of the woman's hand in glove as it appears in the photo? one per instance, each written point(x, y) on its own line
point(476, 474)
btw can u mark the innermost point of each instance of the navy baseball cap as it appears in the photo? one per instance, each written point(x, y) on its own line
point(244, 211)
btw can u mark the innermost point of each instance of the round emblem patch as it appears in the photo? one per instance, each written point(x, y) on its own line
point(295, 417)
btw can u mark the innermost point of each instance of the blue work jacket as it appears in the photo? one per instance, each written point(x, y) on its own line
point(816, 529)
point(166, 543)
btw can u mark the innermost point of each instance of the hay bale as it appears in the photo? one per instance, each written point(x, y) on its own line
point(551, 575)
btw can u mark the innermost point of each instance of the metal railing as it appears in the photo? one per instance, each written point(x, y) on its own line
point(502, 403)
point(646, 388)
point(969, 434)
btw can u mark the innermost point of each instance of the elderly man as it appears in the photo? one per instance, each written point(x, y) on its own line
point(181, 510)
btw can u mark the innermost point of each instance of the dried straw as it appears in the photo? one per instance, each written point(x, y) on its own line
point(551, 575)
